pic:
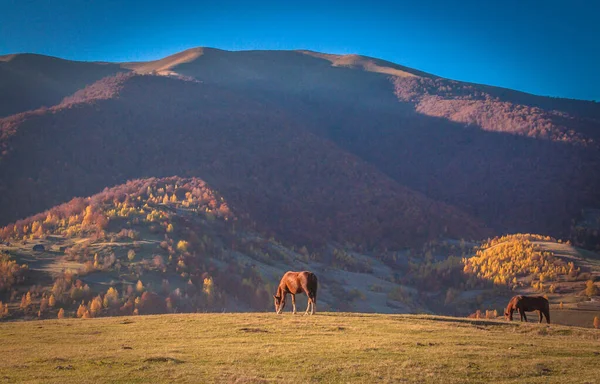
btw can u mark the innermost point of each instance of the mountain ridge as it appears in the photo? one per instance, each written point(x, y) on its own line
point(332, 57)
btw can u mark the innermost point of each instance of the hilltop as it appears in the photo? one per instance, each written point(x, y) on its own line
point(259, 348)
point(313, 146)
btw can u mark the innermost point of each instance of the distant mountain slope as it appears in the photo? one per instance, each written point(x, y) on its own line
point(314, 71)
point(518, 162)
point(289, 181)
point(29, 81)
point(165, 65)
point(491, 110)
point(368, 64)
point(504, 156)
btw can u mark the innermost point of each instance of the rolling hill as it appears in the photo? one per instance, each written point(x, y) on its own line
point(177, 240)
point(163, 245)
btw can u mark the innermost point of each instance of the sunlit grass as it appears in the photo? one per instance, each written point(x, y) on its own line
point(327, 347)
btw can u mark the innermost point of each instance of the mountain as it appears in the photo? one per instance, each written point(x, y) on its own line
point(519, 162)
point(311, 146)
point(289, 181)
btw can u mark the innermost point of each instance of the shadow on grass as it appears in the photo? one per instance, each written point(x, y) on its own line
point(481, 322)
point(161, 359)
point(254, 330)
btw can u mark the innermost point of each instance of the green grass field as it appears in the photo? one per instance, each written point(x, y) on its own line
point(327, 347)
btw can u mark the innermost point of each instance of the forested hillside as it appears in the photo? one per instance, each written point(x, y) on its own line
point(289, 181)
point(291, 133)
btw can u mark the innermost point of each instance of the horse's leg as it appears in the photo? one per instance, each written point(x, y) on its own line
point(308, 306)
point(313, 300)
point(524, 315)
point(282, 304)
point(547, 314)
point(307, 292)
point(293, 303)
point(541, 316)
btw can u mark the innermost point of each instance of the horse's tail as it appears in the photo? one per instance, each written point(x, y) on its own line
point(547, 311)
point(313, 284)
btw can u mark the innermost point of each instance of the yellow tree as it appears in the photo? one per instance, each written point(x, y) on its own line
point(88, 217)
point(208, 286)
point(26, 301)
point(81, 310)
point(43, 304)
point(590, 288)
point(183, 246)
point(96, 306)
point(111, 298)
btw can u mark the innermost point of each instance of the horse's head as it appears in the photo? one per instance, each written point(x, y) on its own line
point(508, 312)
point(278, 303)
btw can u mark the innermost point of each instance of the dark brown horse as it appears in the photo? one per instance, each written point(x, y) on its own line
point(294, 283)
point(524, 304)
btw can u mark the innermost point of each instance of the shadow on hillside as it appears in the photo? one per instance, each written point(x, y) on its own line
point(513, 183)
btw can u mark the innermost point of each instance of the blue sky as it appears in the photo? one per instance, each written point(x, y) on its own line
point(543, 47)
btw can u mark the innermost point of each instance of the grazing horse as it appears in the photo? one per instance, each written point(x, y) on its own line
point(528, 304)
point(294, 283)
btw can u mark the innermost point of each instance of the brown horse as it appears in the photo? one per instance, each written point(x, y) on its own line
point(528, 304)
point(294, 283)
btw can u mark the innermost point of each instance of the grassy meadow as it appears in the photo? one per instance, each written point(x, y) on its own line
point(327, 347)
